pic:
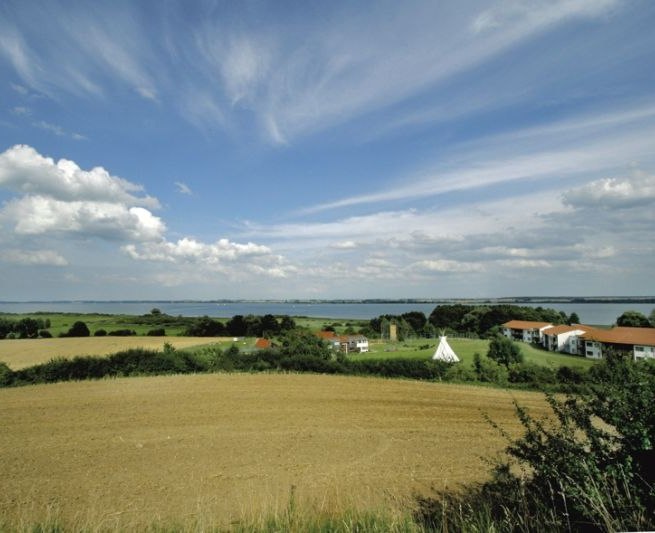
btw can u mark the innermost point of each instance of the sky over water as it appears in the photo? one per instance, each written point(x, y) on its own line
point(326, 149)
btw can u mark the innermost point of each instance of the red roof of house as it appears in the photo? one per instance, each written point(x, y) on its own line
point(327, 335)
point(558, 330)
point(620, 335)
point(263, 343)
point(525, 324)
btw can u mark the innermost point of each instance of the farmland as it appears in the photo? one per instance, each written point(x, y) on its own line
point(217, 448)
point(21, 353)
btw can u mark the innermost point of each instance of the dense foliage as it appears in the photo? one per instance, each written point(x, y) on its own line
point(474, 320)
point(504, 351)
point(25, 328)
point(633, 319)
point(482, 320)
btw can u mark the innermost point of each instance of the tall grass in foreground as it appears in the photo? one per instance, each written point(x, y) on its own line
point(292, 520)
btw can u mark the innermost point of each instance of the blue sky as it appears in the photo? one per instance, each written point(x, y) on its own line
point(326, 149)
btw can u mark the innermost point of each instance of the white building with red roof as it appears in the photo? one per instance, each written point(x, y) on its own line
point(525, 330)
point(578, 339)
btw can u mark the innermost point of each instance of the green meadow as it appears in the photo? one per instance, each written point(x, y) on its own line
point(466, 349)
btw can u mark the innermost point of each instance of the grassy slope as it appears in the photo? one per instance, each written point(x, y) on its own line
point(465, 349)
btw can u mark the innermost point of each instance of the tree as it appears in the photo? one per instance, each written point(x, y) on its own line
point(205, 327)
point(633, 319)
point(287, 323)
point(416, 319)
point(304, 343)
point(27, 328)
point(237, 326)
point(78, 329)
point(269, 326)
point(651, 318)
point(504, 351)
point(573, 319)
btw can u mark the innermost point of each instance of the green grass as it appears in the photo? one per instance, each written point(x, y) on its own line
point(61, 322)
point(466, 349)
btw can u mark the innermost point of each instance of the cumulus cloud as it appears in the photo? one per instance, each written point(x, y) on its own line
point(35, 215)
point(638, 189)
point(24, 170)
point(222, 256)
point(38, 257)
point(344, 245)
point(446, 265)
point(60, 197)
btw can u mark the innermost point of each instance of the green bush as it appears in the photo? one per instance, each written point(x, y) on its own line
point(122, 332)
point(588, 467)
point(6, 375)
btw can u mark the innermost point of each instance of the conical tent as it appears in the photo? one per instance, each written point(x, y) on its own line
point(444, 352)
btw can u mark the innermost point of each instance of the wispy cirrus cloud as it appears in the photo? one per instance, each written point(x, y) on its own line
point(583, 146)
point(82, 53)
point(293, 79)
point(183, 188)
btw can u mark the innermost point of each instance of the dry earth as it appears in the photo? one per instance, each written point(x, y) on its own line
point(21, 353)
point(124, 453)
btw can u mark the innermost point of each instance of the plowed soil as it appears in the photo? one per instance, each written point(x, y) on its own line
point(124, 453)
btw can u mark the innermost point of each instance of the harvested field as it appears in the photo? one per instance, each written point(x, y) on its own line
point(211, 449)
point(21, 353)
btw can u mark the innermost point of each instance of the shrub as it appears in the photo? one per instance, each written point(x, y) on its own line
point(45, 334)
point(122, 332)
point(100, 333)
point(588, 467)
point(157, 332)
point(6, 375)
point(489, 371)
point(531, 374)
point(78, 329)
point(504, 351)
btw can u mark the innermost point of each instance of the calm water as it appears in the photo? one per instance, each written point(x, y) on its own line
point(591, 313)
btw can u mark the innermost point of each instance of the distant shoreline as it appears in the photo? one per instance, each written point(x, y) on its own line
point(468, 301)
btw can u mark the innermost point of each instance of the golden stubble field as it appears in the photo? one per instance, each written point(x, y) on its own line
point(21, 353)
point(217, 448)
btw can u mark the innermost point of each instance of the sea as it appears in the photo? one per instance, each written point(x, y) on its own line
point(589, 313)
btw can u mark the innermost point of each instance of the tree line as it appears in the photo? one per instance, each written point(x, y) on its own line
point(482, 321)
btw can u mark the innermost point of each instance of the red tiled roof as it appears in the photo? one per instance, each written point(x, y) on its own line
point(327, 335)
point(263, 343)
point(620, 335)
point(525, 324)
point(558, 330)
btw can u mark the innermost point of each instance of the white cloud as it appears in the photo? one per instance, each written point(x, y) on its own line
point(53, 128)
point(223, 256)
point(24, 170)
point(583, 145)
point(446, 265)
point(38, 257)
point(611, 193)
point(62, 198)
point(183, 188)
point(37, 215)
point(21, 111)
point(344, 245)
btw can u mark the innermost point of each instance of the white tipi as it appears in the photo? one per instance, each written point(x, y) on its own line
point(444, 352)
